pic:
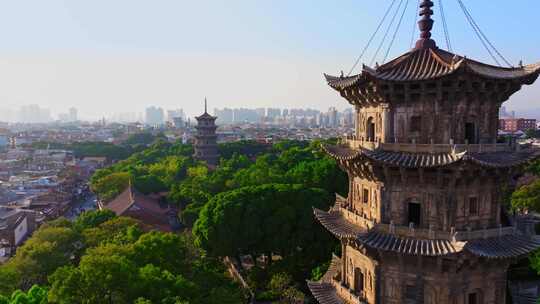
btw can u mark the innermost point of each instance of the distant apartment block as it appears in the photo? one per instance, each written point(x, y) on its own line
point(517, 124)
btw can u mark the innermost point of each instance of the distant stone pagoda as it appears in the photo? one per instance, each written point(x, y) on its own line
point(206, 148)
point(424, 220)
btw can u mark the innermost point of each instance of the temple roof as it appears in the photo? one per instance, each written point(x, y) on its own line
point(433, 160)
point(503, 247)
point(410, 246)
point(500, 247)
point(206, 116)
point(335, 224)
point(433, 63)
point(325, 293)
point(323, 290)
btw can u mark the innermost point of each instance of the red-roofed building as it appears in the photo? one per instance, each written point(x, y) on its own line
point(149, 209)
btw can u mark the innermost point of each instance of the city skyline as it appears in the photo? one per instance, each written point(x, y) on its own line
point(78, 54)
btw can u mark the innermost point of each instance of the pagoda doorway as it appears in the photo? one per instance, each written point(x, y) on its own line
point(358, 281)
point(370, 130)
point(415, 210)
point(470, 133)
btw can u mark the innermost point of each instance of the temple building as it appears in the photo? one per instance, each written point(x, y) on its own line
point(206, 148)
point(424, 220)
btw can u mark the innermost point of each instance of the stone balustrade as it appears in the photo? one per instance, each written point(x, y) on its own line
point(356, 143)
point(347, 294)
point(458, 236)
point(356, 219)
point(419, 233)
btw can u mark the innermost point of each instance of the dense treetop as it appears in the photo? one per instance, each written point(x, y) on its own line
point(101, 258)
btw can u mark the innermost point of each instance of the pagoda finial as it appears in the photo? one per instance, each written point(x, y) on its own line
point(205, 106)
point(426, 25)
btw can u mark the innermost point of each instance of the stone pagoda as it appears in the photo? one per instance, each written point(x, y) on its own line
point(424, 220)
point(206, 148)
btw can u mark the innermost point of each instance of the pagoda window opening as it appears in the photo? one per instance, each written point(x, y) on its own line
point(414, 213)
point(470, 133)
point(447, 84)
point(415, 97)
point(399, 87)
point(431, 85)
point(473, 206)
point(415, 86)
point(358, 280)
point(370, 130)
point(445, 96)
point(416, 124)
point(410, 293)
point(473, 298)
point(365, 196)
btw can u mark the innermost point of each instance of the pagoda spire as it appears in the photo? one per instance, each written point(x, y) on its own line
point(205, 106)
point(426, 25)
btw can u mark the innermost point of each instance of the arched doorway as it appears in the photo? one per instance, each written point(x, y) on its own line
point(471, 133)
point(358, 280)
point(414, 210)
point(370, 128)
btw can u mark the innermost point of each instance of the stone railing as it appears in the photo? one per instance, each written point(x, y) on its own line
point(420, 233)
point(347, 294)
point(355, 143)
point(457, 236)
point(356, 219)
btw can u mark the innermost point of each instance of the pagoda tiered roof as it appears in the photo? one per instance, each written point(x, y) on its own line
point(494, 244)
point(430, 64)
point(434, 160)
point(410, 246)
point(334, 222)
point(504, 247)
point(324, 290)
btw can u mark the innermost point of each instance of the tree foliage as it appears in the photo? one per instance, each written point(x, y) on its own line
point(106, 259)
point(267, 219)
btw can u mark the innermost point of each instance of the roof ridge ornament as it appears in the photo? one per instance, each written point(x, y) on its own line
point(426, 25)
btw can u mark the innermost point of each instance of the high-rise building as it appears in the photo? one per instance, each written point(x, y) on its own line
point(225, 116)
point(273, 113)
point(424, 220)
point(206, 148)
point(178, 113)
point(332, 117)
point(154, 116)
point(34, 114)
point(73, 114)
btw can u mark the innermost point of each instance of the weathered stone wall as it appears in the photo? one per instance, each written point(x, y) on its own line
point(366, 198)
point(431, 280)
point(356, 261)
point(448, 199)
point(423, 118)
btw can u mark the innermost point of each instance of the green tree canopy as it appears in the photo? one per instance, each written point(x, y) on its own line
point(273, 218)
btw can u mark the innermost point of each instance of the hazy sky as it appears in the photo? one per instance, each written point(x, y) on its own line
point(105, 56)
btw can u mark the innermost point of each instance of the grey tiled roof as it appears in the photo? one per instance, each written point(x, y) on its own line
point(509, 246)
point(428, 64)
point(413, 160)
point(410, 246)
point(325, 293)
point(323, 290)
point(334, 222)
point(433, 160)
